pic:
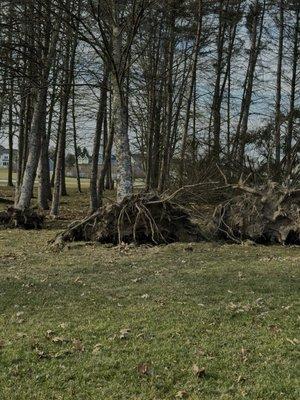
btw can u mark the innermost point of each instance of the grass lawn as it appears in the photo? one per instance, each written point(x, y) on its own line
point(93, 322)
point(70, 182)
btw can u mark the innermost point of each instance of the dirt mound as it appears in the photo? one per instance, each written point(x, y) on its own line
point(141, 218)
point(267, 214)
point(26, 219)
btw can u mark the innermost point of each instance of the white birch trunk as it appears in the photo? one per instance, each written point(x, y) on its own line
point(26, 188)
point(119, 115)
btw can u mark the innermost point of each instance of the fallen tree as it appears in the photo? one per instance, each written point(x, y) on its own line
point(266, 214)
point(140, 218)
point(26, 219)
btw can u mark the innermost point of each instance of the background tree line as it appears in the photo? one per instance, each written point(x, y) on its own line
point(188, 85)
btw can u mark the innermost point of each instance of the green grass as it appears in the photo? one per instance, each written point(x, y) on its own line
point(3, 175)
point(70, 182)
point(230, 309)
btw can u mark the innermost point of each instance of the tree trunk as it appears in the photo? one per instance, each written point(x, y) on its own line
point(290, 128)
point(75, 140)
point(10, 142)
point(165, 163)
point(94, 199)
point(61, 144)
point(190, 95)
point(217, 98)
point(256, 35)
point(278, 88)
point(26, 188)
point(119, 117)
point(105, 166)
point(44, 186)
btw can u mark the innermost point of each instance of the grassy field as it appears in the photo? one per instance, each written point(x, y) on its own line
point(71, 182)
point(200, 321)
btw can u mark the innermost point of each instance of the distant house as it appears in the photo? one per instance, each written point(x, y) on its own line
point(85, 166)
point(84, 160)
point(4, 160)
point(4, 157)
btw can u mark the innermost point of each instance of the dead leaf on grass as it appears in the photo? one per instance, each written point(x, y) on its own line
point(240, 379)
point(124, 333)
point(59, 339)
point(62, 353)
point(96, 348)
point(135, 280)
point(78, 345)
point(274, 328)
point(243, 354)
point(294, 341)
point(199, 372)
point(182, 394)
point(49, 334)
point(41, 353)
point(143, 369)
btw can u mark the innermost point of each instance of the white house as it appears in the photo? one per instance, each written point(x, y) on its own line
point(4, 157)
point(83, 160)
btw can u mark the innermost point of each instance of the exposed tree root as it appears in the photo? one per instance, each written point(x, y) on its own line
point(266, 214)
point(141, 218)
point(26, 219)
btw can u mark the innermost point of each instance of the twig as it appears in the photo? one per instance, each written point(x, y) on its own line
point(174, 194)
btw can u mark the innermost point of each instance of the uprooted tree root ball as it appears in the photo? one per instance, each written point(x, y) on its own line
point(267, 214)
point(140, 218)
point(26, 219)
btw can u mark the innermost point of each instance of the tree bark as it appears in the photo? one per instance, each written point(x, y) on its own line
point(256, 35)
point(44, 185)
point(60, 156)
point(30, 170)
point(26, 188)
point(190, 95)
point(290, 127)
point(278, 88)
point(94, 199)
point(119, 117)
point(165, 162)
point(75, 140)
point(10, 141)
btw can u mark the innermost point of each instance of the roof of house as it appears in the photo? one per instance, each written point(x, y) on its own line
point(3, 149)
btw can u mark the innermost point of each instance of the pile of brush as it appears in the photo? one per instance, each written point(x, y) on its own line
point(266, 214)
point(25, 219)
point(140, 218)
